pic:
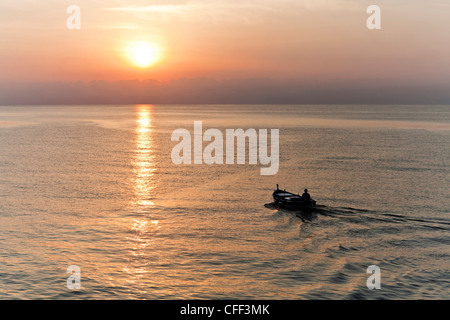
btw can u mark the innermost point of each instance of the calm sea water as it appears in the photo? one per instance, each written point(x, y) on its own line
point(94, 186)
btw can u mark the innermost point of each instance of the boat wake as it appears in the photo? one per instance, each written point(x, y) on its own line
point(345, 213)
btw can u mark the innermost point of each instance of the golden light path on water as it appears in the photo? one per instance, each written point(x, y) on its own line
point(142, 224)
point(143, 164)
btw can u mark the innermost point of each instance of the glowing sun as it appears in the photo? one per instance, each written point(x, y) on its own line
point(143, 54)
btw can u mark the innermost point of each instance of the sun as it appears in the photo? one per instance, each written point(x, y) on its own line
point(143, 54)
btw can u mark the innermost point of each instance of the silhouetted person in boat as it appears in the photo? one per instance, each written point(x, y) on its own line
point(306, 195)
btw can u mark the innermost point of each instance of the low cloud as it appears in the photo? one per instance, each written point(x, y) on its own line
point(210, 91)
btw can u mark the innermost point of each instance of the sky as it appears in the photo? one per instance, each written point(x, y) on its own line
point(225, 51)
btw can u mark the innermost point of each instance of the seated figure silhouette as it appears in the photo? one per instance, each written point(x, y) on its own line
point(306, 195)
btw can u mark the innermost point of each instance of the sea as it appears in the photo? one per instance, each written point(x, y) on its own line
point(94, 189)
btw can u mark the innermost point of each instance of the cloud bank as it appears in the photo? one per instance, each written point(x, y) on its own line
point(210, 91)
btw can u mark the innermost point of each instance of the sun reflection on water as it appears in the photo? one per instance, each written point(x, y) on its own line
point(143, 163)
point(143, 224)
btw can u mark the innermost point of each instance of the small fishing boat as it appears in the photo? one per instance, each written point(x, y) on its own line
point(290, 201)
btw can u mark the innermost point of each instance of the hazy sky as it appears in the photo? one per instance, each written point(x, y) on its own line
point(310, 43)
